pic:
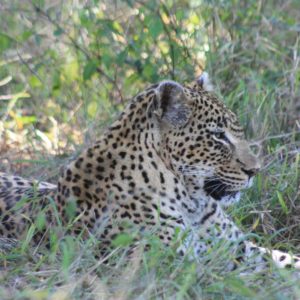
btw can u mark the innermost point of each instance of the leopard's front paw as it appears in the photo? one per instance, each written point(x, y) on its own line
point(285, 260)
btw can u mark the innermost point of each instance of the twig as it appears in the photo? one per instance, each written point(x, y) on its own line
point(271, 137)
point(28, 67)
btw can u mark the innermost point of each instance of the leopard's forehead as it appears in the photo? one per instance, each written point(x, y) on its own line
point(210, 110)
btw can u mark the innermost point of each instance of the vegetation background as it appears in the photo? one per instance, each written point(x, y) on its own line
point(67, 68)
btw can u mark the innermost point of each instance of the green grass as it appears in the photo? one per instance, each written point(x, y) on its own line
point(75, 68)
point(69, 270)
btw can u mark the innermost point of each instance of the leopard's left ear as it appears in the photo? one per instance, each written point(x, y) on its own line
point(204, 82)
point(171, 105)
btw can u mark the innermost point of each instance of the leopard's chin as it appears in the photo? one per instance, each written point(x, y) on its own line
point(231, 199)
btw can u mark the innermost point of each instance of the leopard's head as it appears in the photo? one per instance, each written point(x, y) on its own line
point(202, 141)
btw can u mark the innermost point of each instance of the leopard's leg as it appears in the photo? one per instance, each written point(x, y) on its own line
point(215, 223)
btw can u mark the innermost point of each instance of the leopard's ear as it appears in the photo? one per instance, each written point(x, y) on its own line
point(171, 105)
point(204, 82)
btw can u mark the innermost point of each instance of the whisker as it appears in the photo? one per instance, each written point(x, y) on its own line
point(221, 190)
point(216, 186)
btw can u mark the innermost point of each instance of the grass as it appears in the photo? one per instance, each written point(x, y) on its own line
point(69, 270)
point(252, 54)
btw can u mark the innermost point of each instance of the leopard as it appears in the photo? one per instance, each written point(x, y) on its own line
point(173, 161)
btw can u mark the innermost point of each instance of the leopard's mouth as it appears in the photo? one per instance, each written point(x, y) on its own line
point(218, 189)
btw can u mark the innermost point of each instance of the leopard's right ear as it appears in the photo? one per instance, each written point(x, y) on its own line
point(170, 104)
point(204, 82)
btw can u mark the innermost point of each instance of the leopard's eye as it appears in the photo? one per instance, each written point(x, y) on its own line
point(220, 135)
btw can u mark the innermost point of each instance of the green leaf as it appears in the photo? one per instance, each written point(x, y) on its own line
point(107, 59)
point(58, 32)
point(84, 17)
point(123, 239)
point(92, 109)
point(29, 236)
point(282, 203)
point(179, 15)
point(149, 71)
point(71, 209)
point(194, 19)
point(121, 57)
point(53, 241)
point(5, 42)
point(70, 71)
point(34, 82)
point(26, 119)
point(68, 247)
point(155, 28)
point(25, 35)
point(117, 27)
point(89, 69)
point(40, 220)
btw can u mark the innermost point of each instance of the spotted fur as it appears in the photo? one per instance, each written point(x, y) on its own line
point(173, 159)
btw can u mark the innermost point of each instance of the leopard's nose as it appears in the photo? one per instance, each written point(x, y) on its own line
point(250, 172)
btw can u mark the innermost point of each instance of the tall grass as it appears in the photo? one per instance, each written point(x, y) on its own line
point(66, 71)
